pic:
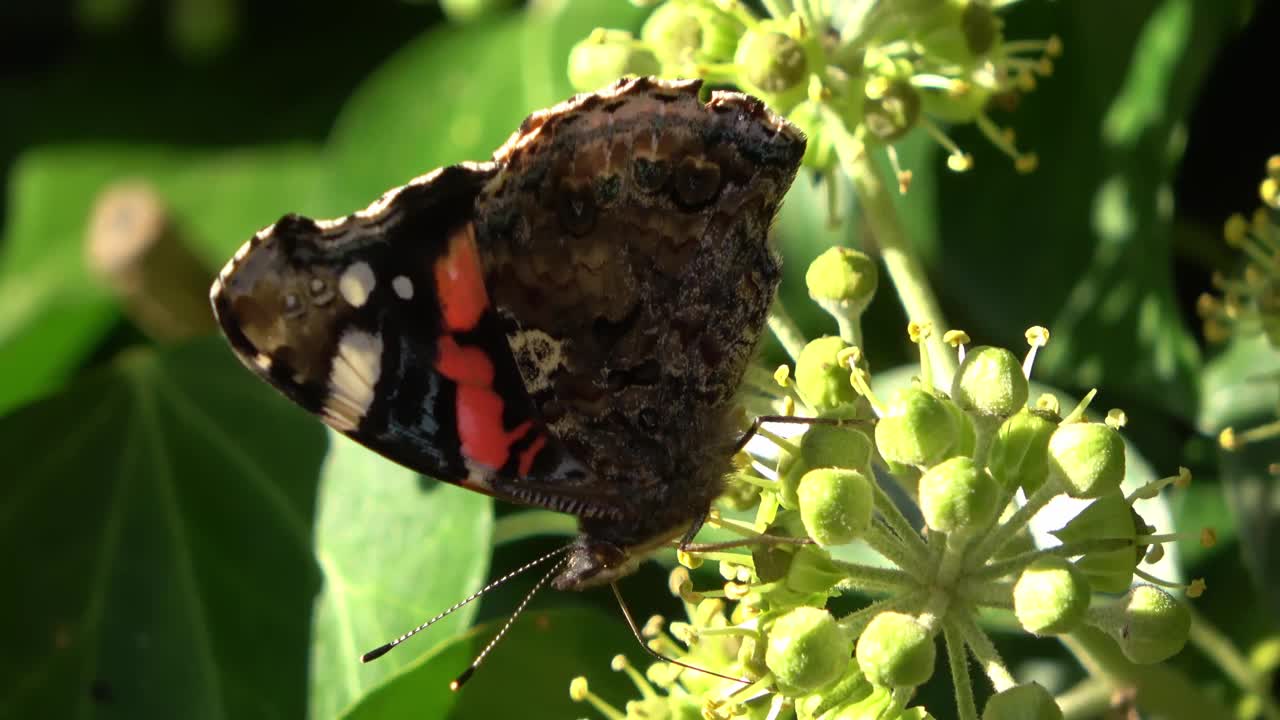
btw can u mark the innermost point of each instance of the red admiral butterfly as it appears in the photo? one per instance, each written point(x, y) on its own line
point(564, 326)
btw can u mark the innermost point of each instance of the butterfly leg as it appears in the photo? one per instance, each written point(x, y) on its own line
point(790, 419)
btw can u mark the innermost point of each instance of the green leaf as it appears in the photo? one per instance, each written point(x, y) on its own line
point(1242, 391)
point(157, 517)
point(457, 94)
point(56, 313)
point(1241, 386)
point(528, 672)
point(396, 548)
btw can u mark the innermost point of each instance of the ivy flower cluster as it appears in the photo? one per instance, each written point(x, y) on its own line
point(864, 76)
point(978, 462)
point(935, 483)
point(1249, 301)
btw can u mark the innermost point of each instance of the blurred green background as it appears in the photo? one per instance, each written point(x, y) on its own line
point(176, 541)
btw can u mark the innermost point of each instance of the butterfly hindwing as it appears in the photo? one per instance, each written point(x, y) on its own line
point(380, 323)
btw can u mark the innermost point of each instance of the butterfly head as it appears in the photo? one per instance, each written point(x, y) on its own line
point(593, 561)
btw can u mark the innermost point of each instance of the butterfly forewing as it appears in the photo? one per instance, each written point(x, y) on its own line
point(380, 324)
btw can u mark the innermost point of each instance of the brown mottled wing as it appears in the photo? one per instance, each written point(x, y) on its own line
point(625, 243)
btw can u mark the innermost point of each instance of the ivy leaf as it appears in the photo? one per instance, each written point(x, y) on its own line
point(1241, 391)
point(456, 94)
point(396, 548)
point(529, 670)
point(158, 517)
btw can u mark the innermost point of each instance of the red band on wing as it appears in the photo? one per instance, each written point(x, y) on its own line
point(463, 364)
point(463, 301)
point(480, 427)
point(480, 409)
point(460, 281)
point(529, 454)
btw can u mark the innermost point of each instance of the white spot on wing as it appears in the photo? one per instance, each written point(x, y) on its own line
point(403, 287)
point(357, 283)
point(352, 379)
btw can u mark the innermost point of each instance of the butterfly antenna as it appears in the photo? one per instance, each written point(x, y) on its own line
point(381, 650)
point(635, 630)
point(466, 674)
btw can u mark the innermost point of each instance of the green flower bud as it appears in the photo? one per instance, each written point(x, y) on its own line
point(1019, 454)
point(959, 105)
point(891, 114)
point(990, 383)
point(807, 649)
point(966, 433)
point(823, 446)
point(1086, 459)
point(1106, 517)
point(981, 27)
point(835, 505)
point(957, 496)
point(1051, 597)
point(916, 429)
point(836, 446)
point(822, 380)
point(606, 55)
point(1022, 702)
point(683, 34)
point(812, 572)
point(813, 580)
point(468, 10)
point(773, 64)
point(896, 650)
point(1149, 624)
point(842, 280)
point(958, 32)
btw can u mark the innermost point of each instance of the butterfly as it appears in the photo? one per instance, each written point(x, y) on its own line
point(564, 326)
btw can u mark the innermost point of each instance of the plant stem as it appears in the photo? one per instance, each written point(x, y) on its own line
point(1160, 688)
point(1210, 641)
point(966, 708)
point(984, 651)
point(786, 330)
point(900, 258)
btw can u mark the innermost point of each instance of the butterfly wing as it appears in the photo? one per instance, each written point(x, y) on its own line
point(380, 324)
point(626, 235)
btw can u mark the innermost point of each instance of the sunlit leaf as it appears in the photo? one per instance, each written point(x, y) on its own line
point(395, 550)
